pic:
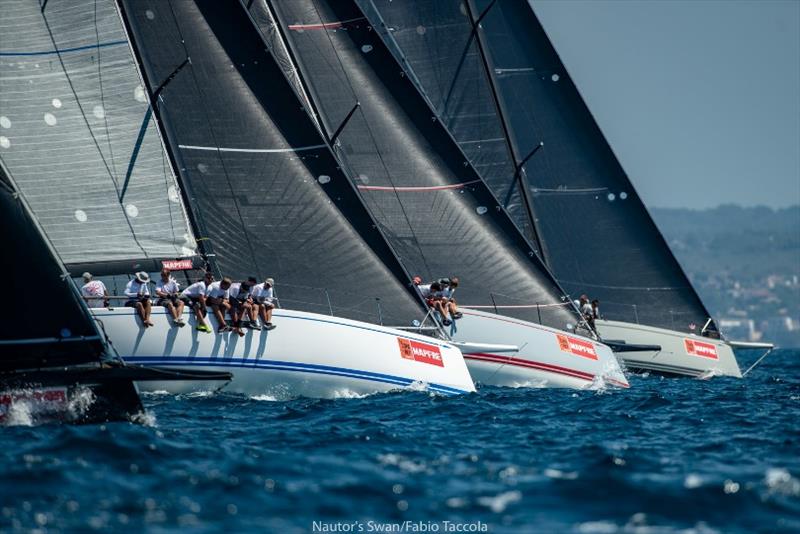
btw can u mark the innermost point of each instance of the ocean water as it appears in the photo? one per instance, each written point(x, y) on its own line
point(668, 455)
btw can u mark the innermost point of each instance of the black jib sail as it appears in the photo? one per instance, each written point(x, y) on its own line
point(595, 233)
point(429, 200)
point(265, 189)
point(61, 334)
point(41, 351)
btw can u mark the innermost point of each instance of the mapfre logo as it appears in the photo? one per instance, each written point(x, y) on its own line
point(420, 352)
point(698, 348)
point(177, 265)
point(576, 346)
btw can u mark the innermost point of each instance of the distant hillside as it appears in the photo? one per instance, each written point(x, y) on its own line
point(744, 262)
point(750, 243)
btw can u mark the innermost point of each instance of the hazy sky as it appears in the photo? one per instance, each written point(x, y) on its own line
point(700, 100)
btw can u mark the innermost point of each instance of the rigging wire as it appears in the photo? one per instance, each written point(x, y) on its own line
point(102, 95)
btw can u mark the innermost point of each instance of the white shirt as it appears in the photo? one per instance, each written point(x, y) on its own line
point(94, 288)
point(425, 290)
point(586, 309)
point(263, 294)
point(170, 287)
point(136, 289)
point(214, 290)
point(237, 292)
point(198, 289)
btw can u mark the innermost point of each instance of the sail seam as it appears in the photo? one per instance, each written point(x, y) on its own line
point(324, 25)
point(415, 188)
point(252, 150)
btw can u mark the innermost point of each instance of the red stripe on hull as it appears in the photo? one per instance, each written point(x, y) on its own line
point(527, 363)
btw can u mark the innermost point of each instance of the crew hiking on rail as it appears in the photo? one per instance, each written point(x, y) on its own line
point(243, 302)
point(439, 297)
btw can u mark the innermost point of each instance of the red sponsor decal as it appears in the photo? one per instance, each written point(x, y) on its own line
point(576, 346)
point(44, 400)
point(420, 352)
point(177, 265)
point(698, 348)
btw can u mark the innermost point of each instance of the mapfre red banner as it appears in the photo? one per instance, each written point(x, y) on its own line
point(41, 400)
point(177, 265)
point(420, 352)
point(698, 348)
point(576, 346)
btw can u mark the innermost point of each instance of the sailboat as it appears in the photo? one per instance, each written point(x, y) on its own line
point(430, 202)
point(496, 81)
point(56, 365)
point(110, 157)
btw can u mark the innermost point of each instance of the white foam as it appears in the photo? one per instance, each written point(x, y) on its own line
point(692, 481)
point(500, 502)
point(559, 474)
point(80, 401)
point(779, 480)
point(144, 419)
point(268, 398)
point(598, 527)
point(19, 413)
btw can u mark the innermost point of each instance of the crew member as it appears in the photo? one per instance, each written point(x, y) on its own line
point(449, 286)
point(218, 299)
point(241, 303)
point(138, 294)
point(264, 302)
point(168, 293)
point(194, 296)
point(94, 292)
point(432, 293)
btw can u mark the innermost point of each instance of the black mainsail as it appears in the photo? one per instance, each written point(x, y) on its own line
point(78, 136)
point(429, 200)
point(264, 186)
point(595, 233)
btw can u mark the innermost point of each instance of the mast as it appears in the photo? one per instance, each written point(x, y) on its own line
point(519, 163)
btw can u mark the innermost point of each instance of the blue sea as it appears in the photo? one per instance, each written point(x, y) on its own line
point(668, 455)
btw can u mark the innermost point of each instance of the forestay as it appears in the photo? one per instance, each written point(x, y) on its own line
point(595, 233)
point(429, 200)
point(77, 134)
point(266, 190)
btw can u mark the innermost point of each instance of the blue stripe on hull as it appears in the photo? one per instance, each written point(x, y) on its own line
point(285, 366)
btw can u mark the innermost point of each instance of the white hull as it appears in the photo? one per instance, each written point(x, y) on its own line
point(546, 357)
point(680, 354)
point(306, 355)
